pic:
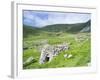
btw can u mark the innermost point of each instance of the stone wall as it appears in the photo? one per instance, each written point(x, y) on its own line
point(49, 51)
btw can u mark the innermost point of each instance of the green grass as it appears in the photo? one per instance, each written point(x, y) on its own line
point(80, 49)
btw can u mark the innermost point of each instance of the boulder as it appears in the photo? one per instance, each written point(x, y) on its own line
point(68, 55)
point(65, 55)
point(29, 61)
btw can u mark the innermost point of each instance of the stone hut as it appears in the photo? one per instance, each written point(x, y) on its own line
point(48, 52)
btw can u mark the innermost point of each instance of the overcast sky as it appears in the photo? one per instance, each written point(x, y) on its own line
point(42, 18)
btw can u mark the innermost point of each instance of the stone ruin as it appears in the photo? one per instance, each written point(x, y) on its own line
point(48, 52)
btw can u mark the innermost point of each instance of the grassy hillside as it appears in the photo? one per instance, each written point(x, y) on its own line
point(69, 28)
point(65, 27)
point(29, 30)
point(80, 46)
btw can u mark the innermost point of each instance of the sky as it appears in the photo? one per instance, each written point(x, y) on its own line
point(43, 18)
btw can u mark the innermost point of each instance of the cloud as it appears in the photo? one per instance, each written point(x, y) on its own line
point(40, 18)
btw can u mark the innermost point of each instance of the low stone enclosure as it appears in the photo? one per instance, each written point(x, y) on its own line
point(49, 51)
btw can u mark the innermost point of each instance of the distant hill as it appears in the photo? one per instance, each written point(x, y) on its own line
point(71, 28)
point(87, 28)
point(27, 30)
point(68, 27)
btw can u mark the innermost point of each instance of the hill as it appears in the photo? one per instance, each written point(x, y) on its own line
point(70, 28)
point(28, 30)
point(85, 27)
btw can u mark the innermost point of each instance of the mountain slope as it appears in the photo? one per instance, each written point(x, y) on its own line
point(87, 28)
point(68, 27)
point(71, 28)
point(28, 30)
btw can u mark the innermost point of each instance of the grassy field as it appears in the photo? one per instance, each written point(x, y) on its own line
point(80, 47)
